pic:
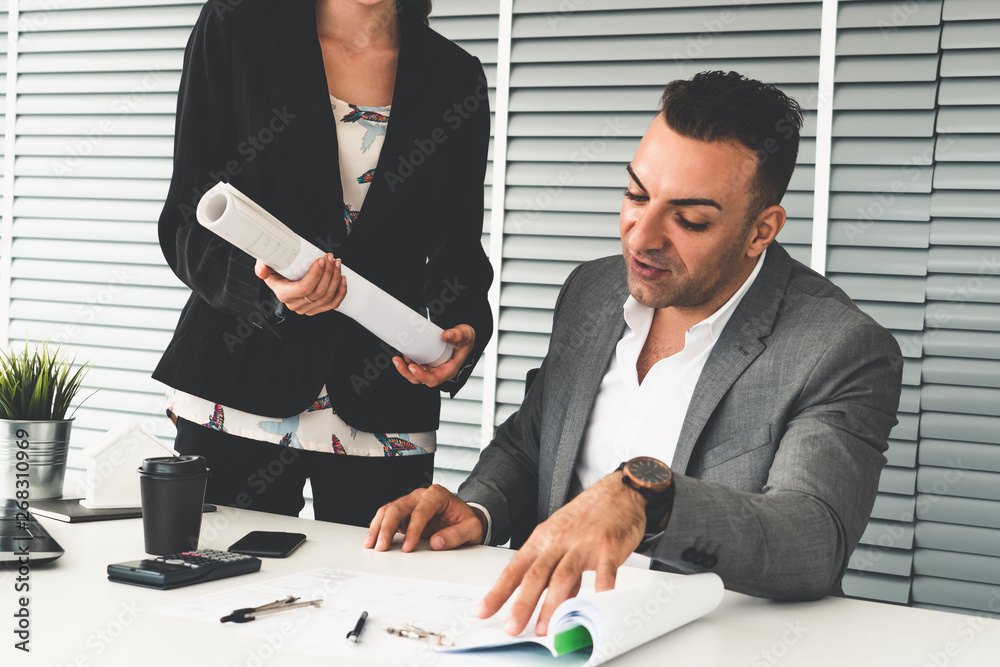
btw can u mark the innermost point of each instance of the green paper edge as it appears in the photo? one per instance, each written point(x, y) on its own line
point(571, 640)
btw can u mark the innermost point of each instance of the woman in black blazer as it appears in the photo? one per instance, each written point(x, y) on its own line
point(268, 381)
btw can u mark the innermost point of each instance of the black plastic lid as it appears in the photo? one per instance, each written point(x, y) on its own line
point(175, 467)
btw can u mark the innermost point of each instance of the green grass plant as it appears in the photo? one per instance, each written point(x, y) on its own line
point(38, 383)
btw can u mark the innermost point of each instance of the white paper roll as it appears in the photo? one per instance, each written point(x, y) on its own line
point(235, 217)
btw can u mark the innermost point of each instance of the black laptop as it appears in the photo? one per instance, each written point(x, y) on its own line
point(20, 531)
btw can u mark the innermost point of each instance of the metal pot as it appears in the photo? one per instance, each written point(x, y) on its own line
point(33, 458)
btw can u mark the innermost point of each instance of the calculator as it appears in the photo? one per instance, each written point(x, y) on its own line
point(183, 569)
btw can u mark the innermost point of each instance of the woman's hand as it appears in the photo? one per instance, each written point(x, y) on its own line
point(320, 290)
point(463, 337)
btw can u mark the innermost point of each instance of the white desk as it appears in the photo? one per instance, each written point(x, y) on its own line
point(80, 618)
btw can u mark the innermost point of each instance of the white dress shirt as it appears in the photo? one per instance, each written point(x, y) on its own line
point(630, 419)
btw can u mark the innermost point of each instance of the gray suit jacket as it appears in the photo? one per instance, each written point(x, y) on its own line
point(778, 460)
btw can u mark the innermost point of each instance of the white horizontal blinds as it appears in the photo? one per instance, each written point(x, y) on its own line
point(97, 84)
point(586, 78)
point(7, 60)
point(882, 165)
point(473, 25)
point(957, 557)
point(4, 37)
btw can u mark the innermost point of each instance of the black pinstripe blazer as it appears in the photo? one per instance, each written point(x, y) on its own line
point(253, 109)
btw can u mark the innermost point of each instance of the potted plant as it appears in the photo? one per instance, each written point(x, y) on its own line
point(37, 386)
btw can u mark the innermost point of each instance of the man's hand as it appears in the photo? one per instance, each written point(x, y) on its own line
point(597, 530)
point(320, 290)
point(433, 513)
point(462, 337)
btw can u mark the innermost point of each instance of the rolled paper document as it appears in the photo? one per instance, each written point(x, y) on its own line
point(232, 215)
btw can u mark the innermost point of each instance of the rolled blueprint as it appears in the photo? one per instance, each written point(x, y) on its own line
point(232, 215)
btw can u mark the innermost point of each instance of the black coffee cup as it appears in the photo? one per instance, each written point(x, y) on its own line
point(173, 494)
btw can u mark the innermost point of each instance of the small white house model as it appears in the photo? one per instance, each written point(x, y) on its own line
point(112, 462)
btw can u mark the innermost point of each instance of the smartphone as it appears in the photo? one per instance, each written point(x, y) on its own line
point(268, 544)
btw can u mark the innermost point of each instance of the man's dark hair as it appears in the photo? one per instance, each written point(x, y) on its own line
point(720, 106)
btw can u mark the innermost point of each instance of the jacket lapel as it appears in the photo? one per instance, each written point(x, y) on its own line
point(301, 56)
point(303, 81)
point(403, 125)
point(735, 350)
point(605, 323)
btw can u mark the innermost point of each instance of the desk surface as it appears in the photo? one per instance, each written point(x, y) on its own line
point(79, 618)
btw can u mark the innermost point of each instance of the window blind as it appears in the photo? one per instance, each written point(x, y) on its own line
point(957, 535)
point(96, 90)
point(5, 239)
point(882, 166)
point(585, 82)
point(473, 25)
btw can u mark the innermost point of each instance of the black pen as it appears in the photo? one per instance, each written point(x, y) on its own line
point(354, 634)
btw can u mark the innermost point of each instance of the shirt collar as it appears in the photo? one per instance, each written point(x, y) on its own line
point(638, 317)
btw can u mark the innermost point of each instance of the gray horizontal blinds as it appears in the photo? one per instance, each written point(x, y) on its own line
point(472, 24)
point(585, 82)
point(957, 538)
point(96, 86)
point(885, 92)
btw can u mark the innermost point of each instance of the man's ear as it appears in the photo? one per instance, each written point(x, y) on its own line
point(764, 229)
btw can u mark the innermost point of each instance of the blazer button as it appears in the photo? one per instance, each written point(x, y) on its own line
point(710, 562)
point(689, 554)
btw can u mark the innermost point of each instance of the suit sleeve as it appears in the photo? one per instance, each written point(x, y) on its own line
point(505, 479)
point(204, 144)
point(459, 273)
point(793, 540)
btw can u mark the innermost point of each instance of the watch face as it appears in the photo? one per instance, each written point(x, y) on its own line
point(650, 472)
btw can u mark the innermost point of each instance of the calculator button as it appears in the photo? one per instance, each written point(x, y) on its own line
point(174, 561)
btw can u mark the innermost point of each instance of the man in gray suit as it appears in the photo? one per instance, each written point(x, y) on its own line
point(705, 345)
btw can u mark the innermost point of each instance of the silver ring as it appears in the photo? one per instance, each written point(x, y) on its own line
point(308, 299)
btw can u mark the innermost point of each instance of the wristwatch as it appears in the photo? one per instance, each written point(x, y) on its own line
point(655, 481)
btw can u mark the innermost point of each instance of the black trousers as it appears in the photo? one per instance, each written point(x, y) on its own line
point(261, 476)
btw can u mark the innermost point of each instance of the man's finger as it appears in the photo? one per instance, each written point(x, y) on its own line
point(534, 582)
point(373, 528)
point(607, 570)
point(563, 584)
point(431, 504)
point(467, 530)
point(505, 584)
point(396, 512)
point(390, 521)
